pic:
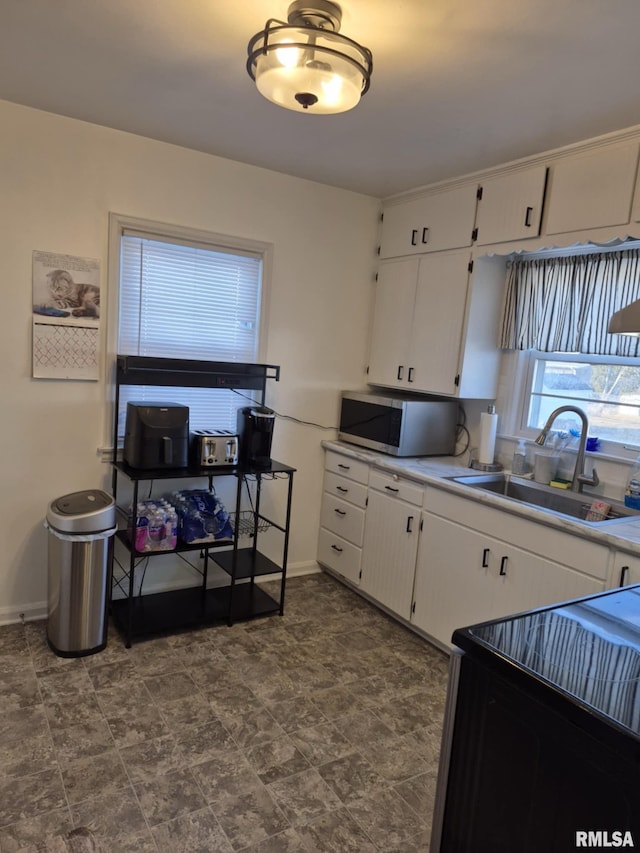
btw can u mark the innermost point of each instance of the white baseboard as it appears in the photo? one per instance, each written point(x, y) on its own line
point(33, 612)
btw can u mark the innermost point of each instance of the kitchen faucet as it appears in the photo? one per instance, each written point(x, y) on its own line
point(579, 477)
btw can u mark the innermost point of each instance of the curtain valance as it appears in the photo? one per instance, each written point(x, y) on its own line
point(563, 304)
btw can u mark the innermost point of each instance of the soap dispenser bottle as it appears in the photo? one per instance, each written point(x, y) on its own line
point(519, 464)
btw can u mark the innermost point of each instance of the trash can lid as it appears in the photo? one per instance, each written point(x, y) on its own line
point(89, 511)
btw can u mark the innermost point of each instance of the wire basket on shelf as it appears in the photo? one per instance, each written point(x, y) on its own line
point(244, 523)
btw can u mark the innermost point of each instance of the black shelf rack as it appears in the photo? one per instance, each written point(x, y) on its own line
point(194, 606)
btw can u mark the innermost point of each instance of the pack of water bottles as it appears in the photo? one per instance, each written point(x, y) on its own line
point(202, 516)
point(156, 526)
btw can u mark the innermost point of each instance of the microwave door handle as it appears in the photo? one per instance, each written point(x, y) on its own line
point(167, 449)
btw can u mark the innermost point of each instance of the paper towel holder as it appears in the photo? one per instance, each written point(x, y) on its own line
point(486, 466)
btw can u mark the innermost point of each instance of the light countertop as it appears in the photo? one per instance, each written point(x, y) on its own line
point(432, 470)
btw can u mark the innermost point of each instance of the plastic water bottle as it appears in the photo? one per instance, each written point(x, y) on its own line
point(632, 492)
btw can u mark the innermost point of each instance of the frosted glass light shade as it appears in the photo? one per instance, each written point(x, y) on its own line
point(308, 69)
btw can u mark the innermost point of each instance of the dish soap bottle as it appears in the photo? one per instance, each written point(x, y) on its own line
point(632, 492)
point(519, 464)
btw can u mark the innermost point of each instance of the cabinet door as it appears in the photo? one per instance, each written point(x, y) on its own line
point(438, 322)
point(592, 190)
point(626, 569)
point(394, 301)
point(453, 587)
point(389, 552)
point(528, 581)
point(432, 223)
point(511, 206)
point(464, 576)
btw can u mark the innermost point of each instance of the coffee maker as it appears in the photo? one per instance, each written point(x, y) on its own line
point(255, 429)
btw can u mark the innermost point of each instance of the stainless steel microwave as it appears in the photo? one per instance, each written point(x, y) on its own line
point(399, 424)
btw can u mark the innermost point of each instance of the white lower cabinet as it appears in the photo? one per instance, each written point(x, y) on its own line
point(441, 561)
point(626, 569)
point(389, 554)
point(464, 576)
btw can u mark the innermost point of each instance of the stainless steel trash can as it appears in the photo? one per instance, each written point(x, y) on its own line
point(81, 528)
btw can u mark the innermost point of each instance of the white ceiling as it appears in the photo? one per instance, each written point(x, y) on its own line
point(458, 85)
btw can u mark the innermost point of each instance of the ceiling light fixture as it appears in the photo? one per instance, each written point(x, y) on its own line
point(305, 64)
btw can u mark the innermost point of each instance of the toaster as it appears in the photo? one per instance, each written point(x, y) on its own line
point(214, 447)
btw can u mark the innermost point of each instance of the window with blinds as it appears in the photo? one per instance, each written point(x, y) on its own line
point(181, 300)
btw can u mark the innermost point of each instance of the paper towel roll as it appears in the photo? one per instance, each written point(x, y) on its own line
point(488, 427)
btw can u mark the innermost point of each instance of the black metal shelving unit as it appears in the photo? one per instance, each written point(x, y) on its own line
point(242, 598)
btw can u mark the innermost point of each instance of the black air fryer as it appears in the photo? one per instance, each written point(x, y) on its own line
point(156, 435)
point(255, 429)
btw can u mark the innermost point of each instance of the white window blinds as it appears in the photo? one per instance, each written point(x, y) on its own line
point(188, 301)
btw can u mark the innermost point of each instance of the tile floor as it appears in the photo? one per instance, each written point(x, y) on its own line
point(317, 731)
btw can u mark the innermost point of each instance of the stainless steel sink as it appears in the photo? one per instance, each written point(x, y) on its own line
point(557, 501)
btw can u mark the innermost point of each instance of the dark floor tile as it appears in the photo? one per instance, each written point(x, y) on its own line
point(25, 722)
point(30, 796)
point(164, 798)
point(320, 744)
point(249, 817)
point(196, 832)
point(112, 817)
point(336, 832)
point(298, 713)
point(86, 739)
point(276, 759)
point(225, 776)
point(32, 832)
point(304, 796)
point(154, 757)
point(24, 757)
point(351, 777)
point(91, 775)
point(284, 842)
point(387, 818)
point(76, 709)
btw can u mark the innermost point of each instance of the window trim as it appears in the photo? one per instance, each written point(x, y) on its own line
point(120, 224)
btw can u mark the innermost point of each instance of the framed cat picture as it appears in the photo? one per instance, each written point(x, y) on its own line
point(66, 316)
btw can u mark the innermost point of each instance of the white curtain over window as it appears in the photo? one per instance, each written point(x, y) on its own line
point(188, 301)
point(564, 304)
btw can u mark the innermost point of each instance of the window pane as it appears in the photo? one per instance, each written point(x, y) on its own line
point(183, 301)
point(609, 394)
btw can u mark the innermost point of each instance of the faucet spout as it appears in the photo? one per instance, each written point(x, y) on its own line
point(580, 479)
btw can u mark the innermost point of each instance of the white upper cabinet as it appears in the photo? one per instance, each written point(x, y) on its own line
point(442, 220)
point(434, 329)
point(510, 206)
point(592, 190)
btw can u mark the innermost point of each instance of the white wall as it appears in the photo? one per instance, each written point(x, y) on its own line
point(60, 179)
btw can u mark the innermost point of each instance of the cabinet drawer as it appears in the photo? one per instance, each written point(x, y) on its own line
point(343, 518)
point(392, 485)
point(347, 467)
point(348, 490)
point(338, 554)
